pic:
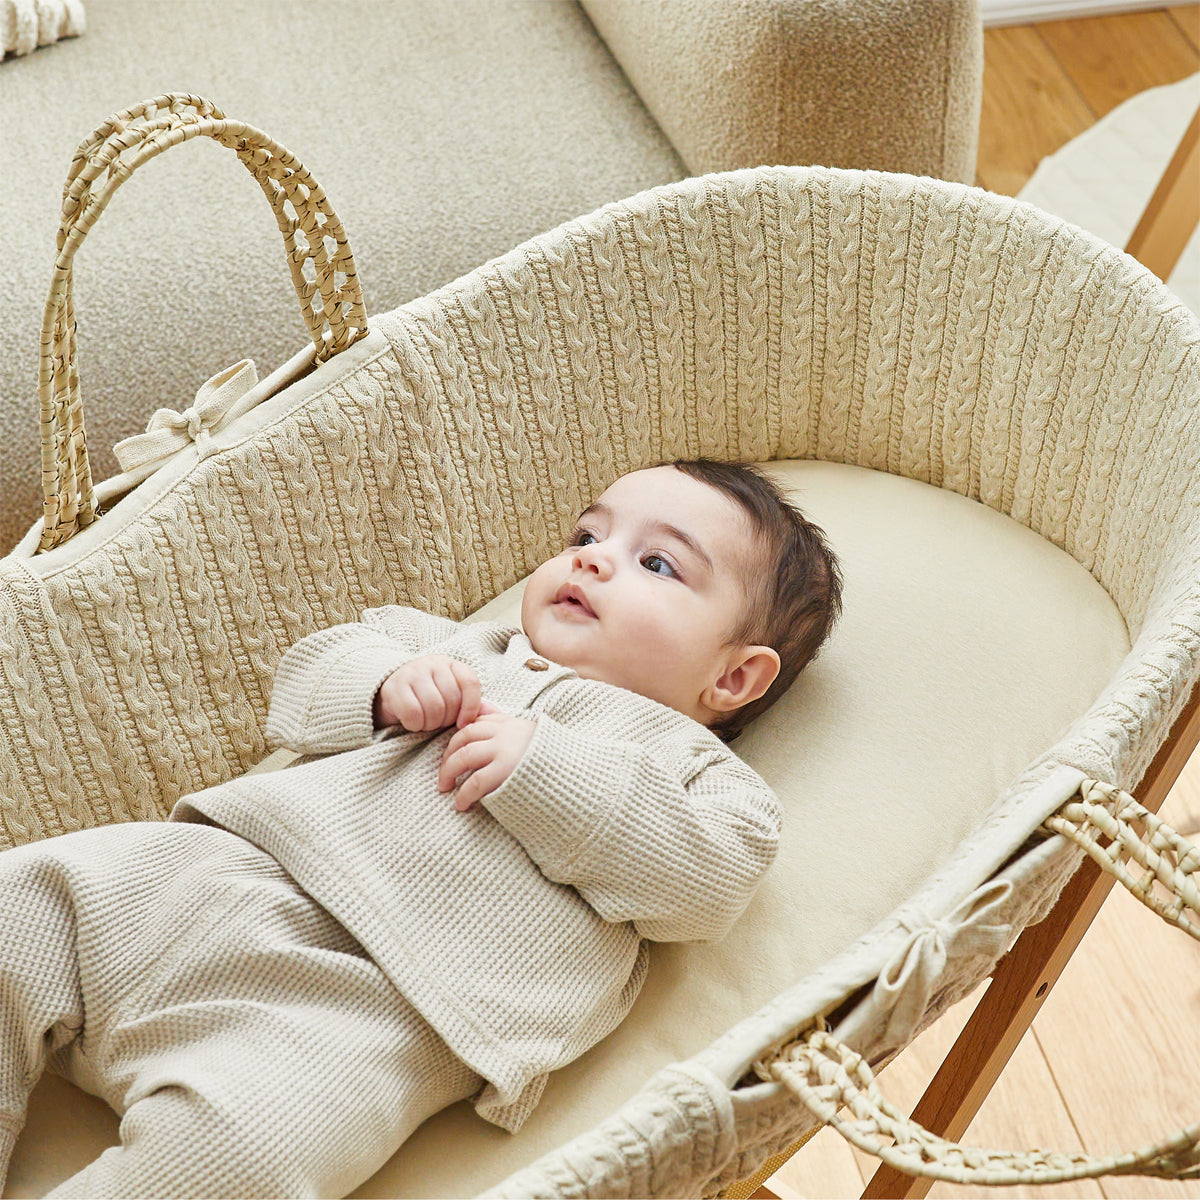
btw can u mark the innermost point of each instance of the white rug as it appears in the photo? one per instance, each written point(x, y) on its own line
point(1104, 178)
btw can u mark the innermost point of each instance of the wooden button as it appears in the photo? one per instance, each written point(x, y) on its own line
point(537, 664)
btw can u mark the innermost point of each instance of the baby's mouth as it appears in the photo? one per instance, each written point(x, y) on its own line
point(572, 599)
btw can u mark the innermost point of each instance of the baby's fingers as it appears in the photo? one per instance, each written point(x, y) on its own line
point(470, 697)
point(405, 706)
point(468, 750)
point(481, 783)
point(429, 692)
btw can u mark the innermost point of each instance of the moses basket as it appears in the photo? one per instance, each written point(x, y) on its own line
point(993, 415)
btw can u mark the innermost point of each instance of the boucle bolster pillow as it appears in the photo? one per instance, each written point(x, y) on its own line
point(765, 82)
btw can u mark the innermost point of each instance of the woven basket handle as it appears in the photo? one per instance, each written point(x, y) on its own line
point(827, 1076)
point(317, 251)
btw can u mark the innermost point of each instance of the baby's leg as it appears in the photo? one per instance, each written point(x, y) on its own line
point(272, 1105)
point(266, 1056)
point(40, 1002)
point(83, 921)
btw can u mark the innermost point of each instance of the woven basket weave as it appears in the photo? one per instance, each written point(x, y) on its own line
point(910, 326)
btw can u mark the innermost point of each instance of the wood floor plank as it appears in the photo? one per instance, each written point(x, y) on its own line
point(1030, 108)
point(1187, 17)
point(1024, 1112)
point(1113, 57)
point(1121, 1033)
point(824, 1168)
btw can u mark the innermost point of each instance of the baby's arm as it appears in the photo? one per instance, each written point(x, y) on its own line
point(679, 854)
point(324, 692)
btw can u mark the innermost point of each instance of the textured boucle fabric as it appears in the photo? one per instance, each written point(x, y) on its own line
point(249, 1043)
point(516, 929)
point(885, 84)
point(444, 134)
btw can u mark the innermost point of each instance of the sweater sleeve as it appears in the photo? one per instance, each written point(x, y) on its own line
point(678, 859)
point(323, 696)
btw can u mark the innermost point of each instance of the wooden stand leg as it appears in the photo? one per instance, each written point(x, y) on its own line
point(1167, 224)
point(1022, 981)
point(1020, 984)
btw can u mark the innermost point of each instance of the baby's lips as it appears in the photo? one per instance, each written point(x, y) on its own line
point(571, 592)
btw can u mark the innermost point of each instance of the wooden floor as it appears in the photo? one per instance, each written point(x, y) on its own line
point(1045, 84)
point(1112, 1061)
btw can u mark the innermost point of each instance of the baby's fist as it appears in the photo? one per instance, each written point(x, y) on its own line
point(489, 748)
point(429, 692)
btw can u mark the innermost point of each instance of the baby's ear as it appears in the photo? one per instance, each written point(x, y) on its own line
point(748, 674)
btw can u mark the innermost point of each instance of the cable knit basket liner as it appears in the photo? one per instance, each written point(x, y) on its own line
point(939, 336)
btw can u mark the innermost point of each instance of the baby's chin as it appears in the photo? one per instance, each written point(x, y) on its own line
point(603, 674)
point(564, 657)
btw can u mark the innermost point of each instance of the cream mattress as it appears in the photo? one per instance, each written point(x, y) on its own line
point(968, 645)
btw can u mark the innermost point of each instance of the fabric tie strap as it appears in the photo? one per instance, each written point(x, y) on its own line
point(219, 400)
point(906, 985)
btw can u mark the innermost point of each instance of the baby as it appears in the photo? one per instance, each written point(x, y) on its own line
point(277, 985)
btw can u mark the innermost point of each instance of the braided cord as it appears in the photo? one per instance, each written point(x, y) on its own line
point(827, 1077)
point(836, 1085)
point(1116, 831)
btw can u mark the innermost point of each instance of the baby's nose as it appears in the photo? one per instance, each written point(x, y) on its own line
point(593, 558)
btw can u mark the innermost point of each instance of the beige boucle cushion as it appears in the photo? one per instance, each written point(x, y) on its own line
point(886, 84)
point(968, 643)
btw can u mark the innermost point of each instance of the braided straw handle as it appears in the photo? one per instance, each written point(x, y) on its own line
point(827, 1075)
point(332, 307)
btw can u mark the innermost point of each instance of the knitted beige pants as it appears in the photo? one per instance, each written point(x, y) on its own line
point(247, 1041)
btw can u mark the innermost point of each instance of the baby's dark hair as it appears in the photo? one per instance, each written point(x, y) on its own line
point(797, 596)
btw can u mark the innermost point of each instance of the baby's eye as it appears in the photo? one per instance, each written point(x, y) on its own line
point(581, 537)
point(658, 564)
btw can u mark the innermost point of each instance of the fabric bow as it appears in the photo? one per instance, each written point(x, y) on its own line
point(219, 400)
point(906, 985)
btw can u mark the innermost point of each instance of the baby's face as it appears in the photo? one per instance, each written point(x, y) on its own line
point(648, 591)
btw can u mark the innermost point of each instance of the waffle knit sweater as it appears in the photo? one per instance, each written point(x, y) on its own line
point(518, 930)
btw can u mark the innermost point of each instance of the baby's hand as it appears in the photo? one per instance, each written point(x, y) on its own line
point(429, 692)
point(489, 748)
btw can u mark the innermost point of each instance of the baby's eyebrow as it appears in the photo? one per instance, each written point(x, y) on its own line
point(689, 541)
